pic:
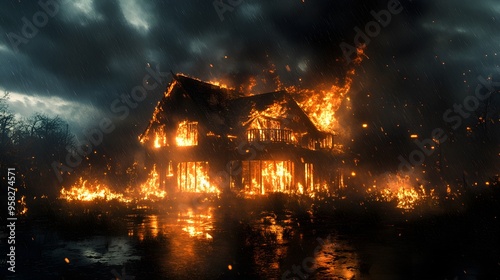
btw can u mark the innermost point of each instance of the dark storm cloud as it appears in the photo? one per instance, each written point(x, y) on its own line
point(91, 52)
point(419, 67)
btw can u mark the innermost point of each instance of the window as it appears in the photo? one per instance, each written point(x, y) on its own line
point(309, 176)
point(193, 177)
point(187, 134)
point(262, 176)
point(170, 169)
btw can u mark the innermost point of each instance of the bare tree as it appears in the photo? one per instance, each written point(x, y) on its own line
point(41, 140)
point(7, 126)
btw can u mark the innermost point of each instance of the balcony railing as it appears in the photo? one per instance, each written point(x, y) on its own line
point(271, 135)
point(287, 136)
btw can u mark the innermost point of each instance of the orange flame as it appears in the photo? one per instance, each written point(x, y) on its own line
point(269, 176)
point(187, 134)
point(86, 190)
point(83, 190)
point(193, 177)
point(400, 188)
point(322, 103)
point(160, 137)
point(150, 190)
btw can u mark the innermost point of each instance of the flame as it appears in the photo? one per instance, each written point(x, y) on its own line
point(276, 176)
point(321, 104)
point(407, 197)
point(300, 188)
point(83, 190)
point(86, 190)
point(274, 112)
point(160, 137)
point(248, 88)
point(399, 188)
point(187, 134)
point(221, 84)
point(269, 176)
point(193, 177)
point(150, 189)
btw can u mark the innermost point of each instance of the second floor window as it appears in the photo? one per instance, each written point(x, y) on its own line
point(187, 134)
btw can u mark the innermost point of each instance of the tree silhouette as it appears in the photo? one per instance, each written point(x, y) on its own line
point(30, 145)
point(41, 140)
point(7, 125)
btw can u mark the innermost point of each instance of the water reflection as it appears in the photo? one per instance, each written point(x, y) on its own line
point(217, 244)
point(143, 226)
point(337, 260)
point(96, 249)
point(194, 223)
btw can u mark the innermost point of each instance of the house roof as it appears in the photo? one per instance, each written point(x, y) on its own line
point(279, 105)
point(224, 111)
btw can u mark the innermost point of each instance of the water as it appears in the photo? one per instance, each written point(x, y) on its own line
point(228, 242)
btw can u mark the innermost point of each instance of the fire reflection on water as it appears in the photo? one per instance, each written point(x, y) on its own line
point(336, 260)
point(208, 242)
point(190, 236)
point(194, 224)
point(270, 243)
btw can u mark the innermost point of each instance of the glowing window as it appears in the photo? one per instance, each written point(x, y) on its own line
point(187, 134)
point(193, 177)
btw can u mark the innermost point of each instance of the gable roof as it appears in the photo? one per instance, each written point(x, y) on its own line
point(279, 105)
point(223, 111)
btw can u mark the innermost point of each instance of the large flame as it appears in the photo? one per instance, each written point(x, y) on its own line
point(321, 103)
point(276, 176)
point(84, 190)
point(160, 137)
point(90, 190)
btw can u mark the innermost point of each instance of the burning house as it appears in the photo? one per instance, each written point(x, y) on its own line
point(207, 138)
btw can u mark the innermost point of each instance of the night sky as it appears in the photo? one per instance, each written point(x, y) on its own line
point(425, 60)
